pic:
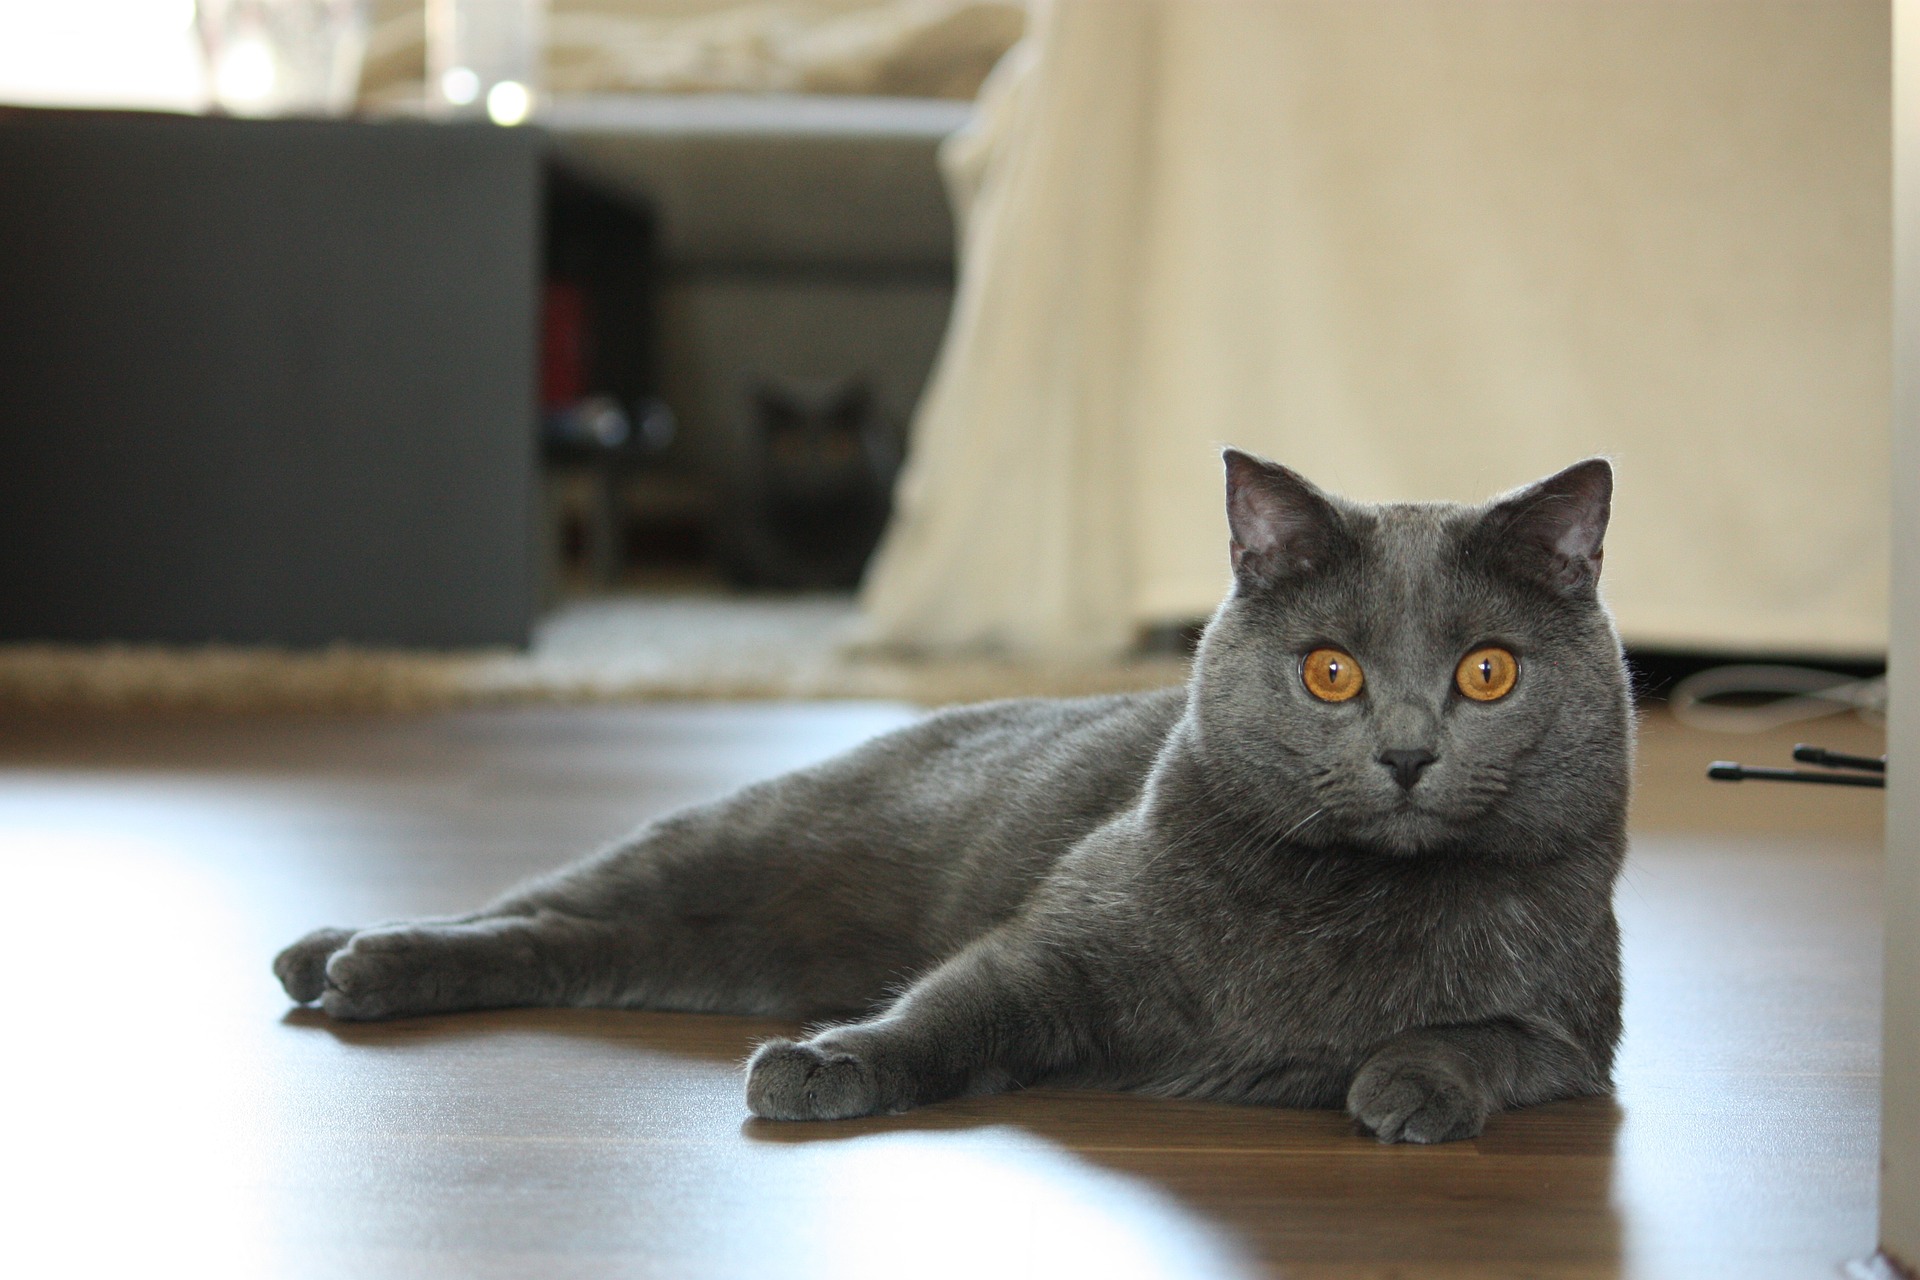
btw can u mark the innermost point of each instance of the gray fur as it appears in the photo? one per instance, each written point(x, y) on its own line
point(1216, 891)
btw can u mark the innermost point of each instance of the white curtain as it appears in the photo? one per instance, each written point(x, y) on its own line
point(1417, 249)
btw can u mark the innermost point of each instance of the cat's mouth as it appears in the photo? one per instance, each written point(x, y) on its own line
point(1409, 802)
point(1412, 825)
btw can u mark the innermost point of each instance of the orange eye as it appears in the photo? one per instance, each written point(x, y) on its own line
point(1487, 674)
point(1331, 676)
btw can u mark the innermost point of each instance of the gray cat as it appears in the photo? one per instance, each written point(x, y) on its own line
point(1366, 856)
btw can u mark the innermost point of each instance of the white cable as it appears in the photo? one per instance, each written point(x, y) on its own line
point(1805, 693)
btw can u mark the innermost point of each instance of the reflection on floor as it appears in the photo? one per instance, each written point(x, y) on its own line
point(166, 1105)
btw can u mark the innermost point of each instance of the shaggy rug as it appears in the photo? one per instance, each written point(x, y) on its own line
point(637, 647)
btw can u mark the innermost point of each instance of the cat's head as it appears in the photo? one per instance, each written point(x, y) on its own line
point(1414, 678)
point(820, 439)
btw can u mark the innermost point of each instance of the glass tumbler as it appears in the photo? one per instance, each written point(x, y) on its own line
point(281, 57)
point(483, 58)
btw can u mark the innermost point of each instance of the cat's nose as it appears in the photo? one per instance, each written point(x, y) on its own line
point(1407, 764)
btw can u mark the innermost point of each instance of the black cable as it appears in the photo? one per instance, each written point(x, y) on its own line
point(1838, 760)
point(1728, 771)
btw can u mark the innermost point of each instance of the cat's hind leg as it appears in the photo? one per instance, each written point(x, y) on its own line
point(439, 966)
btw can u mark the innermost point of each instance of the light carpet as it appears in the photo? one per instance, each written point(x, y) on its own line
point(618, 648)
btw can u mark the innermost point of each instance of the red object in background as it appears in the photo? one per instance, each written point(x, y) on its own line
point(565, 344)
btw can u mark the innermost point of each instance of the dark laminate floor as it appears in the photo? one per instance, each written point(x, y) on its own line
point(164, 1107)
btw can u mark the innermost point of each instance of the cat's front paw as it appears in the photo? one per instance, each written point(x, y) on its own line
point(1410, 1101)
point(788, 1081)
point(389, 972)
point(302, 967)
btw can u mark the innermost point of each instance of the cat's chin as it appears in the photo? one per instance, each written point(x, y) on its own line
point(1407, 846)
point(1411, 832)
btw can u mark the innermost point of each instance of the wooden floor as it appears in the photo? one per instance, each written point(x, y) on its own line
point(167, 1111)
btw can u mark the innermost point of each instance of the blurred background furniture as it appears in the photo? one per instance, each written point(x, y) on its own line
point(709, 262)
point(272, 381)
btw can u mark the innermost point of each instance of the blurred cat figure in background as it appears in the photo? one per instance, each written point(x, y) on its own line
point(810, 485)
point(1365, 857)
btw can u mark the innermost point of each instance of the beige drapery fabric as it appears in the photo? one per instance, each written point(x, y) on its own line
point(1418, 250)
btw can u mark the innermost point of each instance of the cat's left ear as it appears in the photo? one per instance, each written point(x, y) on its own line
point(1553, 529)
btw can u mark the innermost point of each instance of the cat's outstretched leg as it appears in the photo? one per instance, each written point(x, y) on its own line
point(998, 1015)
point(438, 966)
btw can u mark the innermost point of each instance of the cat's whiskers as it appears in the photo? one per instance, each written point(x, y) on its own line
point(1296, 828)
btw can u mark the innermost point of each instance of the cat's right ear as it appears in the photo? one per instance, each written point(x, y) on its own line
point(1282, 526)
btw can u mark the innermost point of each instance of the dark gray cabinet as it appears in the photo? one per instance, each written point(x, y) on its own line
point(267, 381)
